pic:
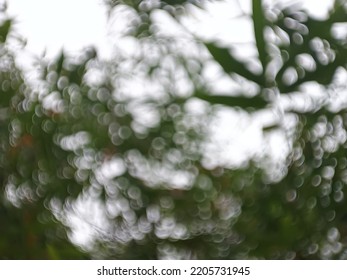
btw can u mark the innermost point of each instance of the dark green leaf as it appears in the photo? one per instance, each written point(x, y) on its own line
point(231, 65)
point(4, 30)
point(255, 102)
point(259, 26)
point(60, 62)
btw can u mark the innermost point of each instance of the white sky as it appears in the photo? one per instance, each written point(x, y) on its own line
point(53, 24)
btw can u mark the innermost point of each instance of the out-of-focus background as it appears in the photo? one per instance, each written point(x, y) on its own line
point(173, 129)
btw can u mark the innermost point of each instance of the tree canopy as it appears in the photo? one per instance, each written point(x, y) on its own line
point(119, 146)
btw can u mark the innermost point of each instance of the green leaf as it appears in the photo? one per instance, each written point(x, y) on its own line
point(4, 30)
point(255, 102)
point(338, 14)
point(231, 65)
point(60, 62)
point(52, 252)
point(323, 75)
point(271, 127)
point(259, 25)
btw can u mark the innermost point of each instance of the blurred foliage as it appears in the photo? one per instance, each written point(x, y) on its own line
point(28, 228)
point(301, 215)
point(79, 134)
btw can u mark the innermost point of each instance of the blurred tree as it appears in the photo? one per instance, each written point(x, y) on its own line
point(83, 135)
point(299, 214)
point(28, 228)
